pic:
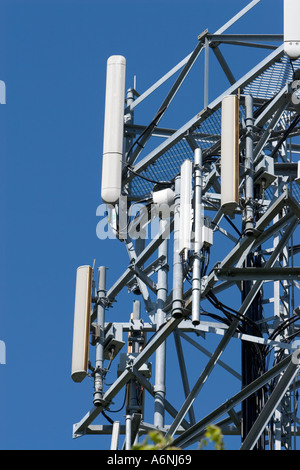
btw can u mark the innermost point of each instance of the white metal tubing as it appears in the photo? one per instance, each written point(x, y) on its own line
point(206, 73)
point(113, 130)
point(230, 154)
point(196, 284)
point(115, 436)
point(128, 427)
point(82, 315)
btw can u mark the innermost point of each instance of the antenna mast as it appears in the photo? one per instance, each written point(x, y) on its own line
point(220, 275)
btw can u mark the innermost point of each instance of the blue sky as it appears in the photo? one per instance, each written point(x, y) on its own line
point(53, 61)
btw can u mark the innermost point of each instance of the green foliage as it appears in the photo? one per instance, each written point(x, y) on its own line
point(213, 434)
point(159, 442)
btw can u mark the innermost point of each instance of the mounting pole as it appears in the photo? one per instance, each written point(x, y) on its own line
point(134, 405)
point(251, 369)
point(98, 378)
point(196, 285)
point(249, 188)
point(160, 361)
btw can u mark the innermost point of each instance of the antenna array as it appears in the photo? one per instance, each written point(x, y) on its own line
point(224, 191)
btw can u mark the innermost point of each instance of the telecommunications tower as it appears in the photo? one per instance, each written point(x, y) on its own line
point(212, 270)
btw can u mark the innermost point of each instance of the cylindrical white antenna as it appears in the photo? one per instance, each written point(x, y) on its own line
point(291, 28)
point(230, 154)
point(113, 129)
point(82, 319)
point(163, 201)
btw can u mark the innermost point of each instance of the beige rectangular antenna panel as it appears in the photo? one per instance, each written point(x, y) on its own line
point(186, 214)
point(82, 321)
point(230, 154)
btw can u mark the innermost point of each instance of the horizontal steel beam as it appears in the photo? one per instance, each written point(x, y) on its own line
point(244, 274)
point(226, 427)
point(204, 327)
point(244, 37)
point(286, 169)
point(257, 45)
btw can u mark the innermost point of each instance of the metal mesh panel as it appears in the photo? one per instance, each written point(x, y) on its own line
point(208, 133)
point(164, 169)
point(269, 83)
point(168, 165)
point(296, 191)
point(209, 130)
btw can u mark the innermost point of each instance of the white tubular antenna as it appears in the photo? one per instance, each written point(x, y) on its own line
point(163, 201)
point(113, 130)
point(82, 319)
point(230, 154)
point(291, 28)
point(185, 208)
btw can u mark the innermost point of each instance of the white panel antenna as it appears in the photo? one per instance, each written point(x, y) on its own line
point(113, 130)
point(297, 180)
point(186, 214)
point(230, 154)
point(82, 319)
point(291, 28)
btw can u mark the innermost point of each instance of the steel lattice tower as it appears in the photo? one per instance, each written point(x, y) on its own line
point(229, 274)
